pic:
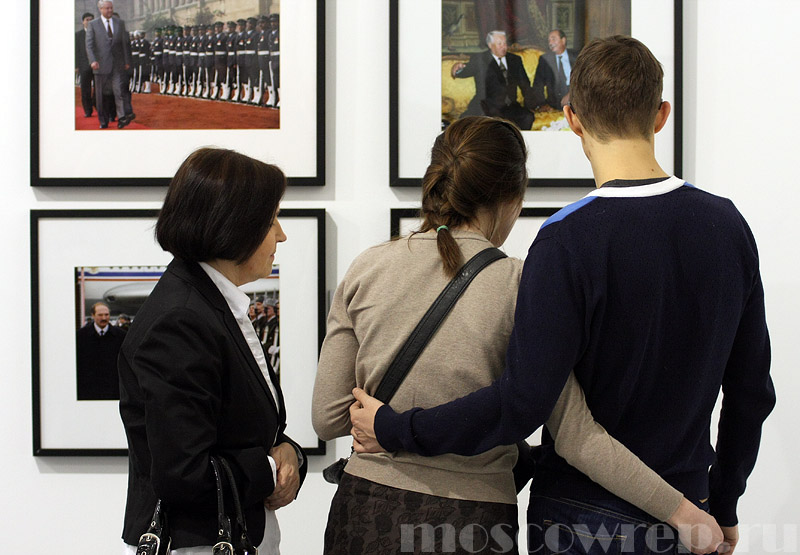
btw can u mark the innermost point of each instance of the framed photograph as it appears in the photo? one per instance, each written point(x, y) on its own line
point(406, 220)
point(174, 76)
point(448, 75)
point(84, 294)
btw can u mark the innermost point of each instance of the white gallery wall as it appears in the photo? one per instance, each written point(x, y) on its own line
point(741, 118)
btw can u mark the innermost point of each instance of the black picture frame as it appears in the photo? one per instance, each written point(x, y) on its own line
point(426, 138)
point(83, 164)
point(58, 418)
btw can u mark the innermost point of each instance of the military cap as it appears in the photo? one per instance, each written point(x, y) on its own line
point(219, 24)
point(231, 23)
point(263, 18)
point(240, 21)
point(252, 20)
point(274, 17)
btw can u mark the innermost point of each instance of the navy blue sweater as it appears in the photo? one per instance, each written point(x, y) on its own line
point(651, 292)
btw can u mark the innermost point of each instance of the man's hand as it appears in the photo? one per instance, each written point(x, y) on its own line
point(95, 65)
point(288, 476)
point(731, 534)
point(126, 67)
point(698, 531)
point(362, 417)
point(458, 66)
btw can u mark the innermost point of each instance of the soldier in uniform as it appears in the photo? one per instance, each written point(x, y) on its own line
point(156, 62)
point(262, 52)
point(144, 64)
point(241, 60)
point(179, 68)
point(168, 37)
point(133, 72)
point(220, 59)
point(209, 44)
point(188, 62)
point(230, 46)
point(275, 57)
point(252, 59)
point(173, 58)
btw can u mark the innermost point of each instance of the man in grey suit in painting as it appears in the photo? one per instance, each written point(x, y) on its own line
point(109, 52)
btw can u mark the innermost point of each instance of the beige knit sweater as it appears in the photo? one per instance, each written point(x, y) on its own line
point(376, 306)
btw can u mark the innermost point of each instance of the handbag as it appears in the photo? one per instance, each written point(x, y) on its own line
point(157, 541)
point(419, 338)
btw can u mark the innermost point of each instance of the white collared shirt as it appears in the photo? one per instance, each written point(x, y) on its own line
point(106, 23)
point(99, 330)
point(500, 61)
point(564, 62)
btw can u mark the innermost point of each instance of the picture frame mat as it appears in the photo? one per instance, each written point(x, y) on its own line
point(64, 426)
point(60, 155)
point(555, 158)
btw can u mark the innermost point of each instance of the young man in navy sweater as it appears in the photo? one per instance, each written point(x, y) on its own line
point(649, 288)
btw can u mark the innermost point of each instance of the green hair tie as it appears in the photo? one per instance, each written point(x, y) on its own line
point(441, 227)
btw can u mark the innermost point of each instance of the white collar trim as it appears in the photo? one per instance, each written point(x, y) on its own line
point(237, 300)
point(638, 191)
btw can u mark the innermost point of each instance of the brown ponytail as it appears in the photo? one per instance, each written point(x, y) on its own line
point(477, 163)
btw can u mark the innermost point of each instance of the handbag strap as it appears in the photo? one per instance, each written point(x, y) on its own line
point(224, 544)
point(416, 342)
point(150, 541)
point(247, 545)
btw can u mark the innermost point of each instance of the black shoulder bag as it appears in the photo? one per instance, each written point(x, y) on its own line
point(156, 541)
point(419, 338)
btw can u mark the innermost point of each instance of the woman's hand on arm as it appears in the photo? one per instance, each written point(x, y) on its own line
point(588, 447)
point(698, 531)
point(288, 471)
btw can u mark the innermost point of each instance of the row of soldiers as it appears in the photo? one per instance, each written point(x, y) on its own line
point(241, 64)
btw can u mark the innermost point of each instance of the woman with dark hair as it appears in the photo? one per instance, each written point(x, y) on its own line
point(472, 194)
point(194, 379)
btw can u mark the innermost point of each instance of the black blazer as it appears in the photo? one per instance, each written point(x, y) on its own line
point(547, 76)
point(490, 87)
point(190, 387)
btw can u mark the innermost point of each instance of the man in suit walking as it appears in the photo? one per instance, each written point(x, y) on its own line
point(82, 67)
point(553, 72)
point(109, 52)
point(498, 74)
point(97, 345)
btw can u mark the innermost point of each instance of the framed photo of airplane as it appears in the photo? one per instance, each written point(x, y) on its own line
point(190, 74)
point(99, 283)
point(448, 75)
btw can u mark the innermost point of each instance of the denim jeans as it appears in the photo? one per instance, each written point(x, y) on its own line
point(607, 527)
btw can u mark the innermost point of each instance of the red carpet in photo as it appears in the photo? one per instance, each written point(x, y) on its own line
point(157, 111)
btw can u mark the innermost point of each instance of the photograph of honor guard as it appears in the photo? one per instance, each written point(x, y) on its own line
point(230, 78)
point(195, 41)
point(208, 61)
point(187, 72)
point(156, 63)
point(251, 60)
point(145, 55)
point(275, 58)
point(262, 52)
point(220, 59)
point(241, 62)
point(133, 72)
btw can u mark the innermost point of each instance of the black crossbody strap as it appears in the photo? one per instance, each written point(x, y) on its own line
point(413, 347)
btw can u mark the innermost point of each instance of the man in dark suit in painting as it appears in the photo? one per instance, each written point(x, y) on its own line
point(82, 67)
point(109, 51)
point(498, 74)
point(553, 72)
point(97, 345)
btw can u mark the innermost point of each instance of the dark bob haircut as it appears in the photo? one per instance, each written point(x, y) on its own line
point(220, 204)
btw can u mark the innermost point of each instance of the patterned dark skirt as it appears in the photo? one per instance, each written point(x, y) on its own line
point(374, 519)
